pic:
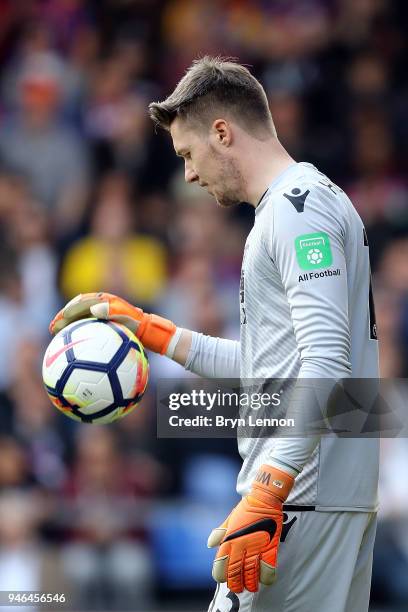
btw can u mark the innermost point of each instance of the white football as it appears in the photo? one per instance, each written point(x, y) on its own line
point(95, 371)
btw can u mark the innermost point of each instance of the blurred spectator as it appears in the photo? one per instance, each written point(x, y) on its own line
point(30, 236)
point(115, 118)
point(36, 422)
point(14, 316)
point(356, 19)
point(26, 233)
point(193, 284)
point(388, 309)
point(104, 508)
point(113, 257)
point(190, 29)
point(26, 563)
point(368, 78)
point(39, 37)
point(379, 194)
point(379, 191)
point(288, 115)
point(14, 471)
point(36, 144)
point(68, 20)
point(391, 549)
point(393, 309)
point(393, 270)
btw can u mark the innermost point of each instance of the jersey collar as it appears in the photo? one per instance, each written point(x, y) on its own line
point(273, 186)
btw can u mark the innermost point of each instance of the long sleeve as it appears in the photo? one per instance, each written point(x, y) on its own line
point(303, 246)
point(211, 357)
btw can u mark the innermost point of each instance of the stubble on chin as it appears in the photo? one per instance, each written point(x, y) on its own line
point(234, 179)
point(226, 202)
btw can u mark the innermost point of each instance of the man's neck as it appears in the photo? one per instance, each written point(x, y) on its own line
point(267, 161)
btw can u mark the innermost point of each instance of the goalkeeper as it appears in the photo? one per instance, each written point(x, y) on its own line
point(307, 313)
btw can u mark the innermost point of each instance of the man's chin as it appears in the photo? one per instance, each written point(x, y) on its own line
point(225, 202)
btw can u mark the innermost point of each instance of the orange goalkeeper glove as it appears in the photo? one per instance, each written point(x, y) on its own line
point(153, 331)
point(249, 537)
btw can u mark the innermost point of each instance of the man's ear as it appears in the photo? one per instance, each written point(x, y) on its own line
point(221, 131)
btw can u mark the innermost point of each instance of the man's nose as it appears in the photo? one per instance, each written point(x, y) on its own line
point(190, 175)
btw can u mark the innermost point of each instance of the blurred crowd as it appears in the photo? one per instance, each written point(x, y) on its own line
point(92, 198)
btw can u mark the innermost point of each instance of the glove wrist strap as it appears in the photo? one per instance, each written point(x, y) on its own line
point(271, 483)
point(155, 332)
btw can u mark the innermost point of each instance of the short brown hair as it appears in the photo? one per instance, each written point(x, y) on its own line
point(212, 84)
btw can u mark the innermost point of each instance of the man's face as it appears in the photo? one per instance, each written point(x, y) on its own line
point(208, 162)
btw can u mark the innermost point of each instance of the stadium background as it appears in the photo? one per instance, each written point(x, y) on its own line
point(91, 198)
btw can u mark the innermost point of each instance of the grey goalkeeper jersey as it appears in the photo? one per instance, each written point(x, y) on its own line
point(307, 312)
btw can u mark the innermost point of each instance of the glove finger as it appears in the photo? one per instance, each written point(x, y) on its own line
point(267, 573)
point(235, 569)
point(219, 569)
point(251, 572)
point(58, 323)
point(101, 311)
point(269, 559)
point(77, 308)
point(216, 536)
